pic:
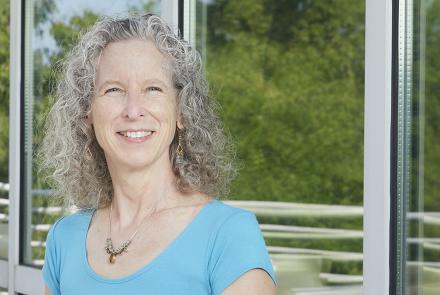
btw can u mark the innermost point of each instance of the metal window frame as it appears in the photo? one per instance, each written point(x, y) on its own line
point(377, 145)
point(15, 47)
point(377, 148)
point(4, 274)
point(12, 271)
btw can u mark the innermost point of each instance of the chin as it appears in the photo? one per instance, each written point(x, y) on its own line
point(138, 163)
point(138, 159)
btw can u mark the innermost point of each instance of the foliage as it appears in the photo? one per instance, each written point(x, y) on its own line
point(289, 75)
point(432, 110)
point(4, 89)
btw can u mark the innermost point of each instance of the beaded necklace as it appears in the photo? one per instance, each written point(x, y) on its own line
point(123, 247)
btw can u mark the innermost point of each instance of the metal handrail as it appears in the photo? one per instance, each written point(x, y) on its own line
point(276, 231)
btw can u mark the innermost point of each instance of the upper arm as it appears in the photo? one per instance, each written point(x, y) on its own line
point(47, 291)
point(239, 254)
point(51, 266)
point(255, 282)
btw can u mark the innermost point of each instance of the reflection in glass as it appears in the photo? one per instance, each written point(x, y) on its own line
point(51, 27)
point(4, 126)
point(289, 76)
point(421, 245)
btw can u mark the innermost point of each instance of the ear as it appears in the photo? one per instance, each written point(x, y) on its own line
point(179, 124)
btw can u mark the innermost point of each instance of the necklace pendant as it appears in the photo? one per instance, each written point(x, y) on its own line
point(112, 258)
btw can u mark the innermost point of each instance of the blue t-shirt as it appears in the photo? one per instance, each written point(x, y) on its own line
point(219, 245)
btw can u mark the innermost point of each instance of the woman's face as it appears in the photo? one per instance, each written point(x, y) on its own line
point(133, 111)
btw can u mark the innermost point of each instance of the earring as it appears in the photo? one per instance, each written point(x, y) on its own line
point(179, 150)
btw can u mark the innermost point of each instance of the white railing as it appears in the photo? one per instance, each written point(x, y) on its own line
point(287, 259)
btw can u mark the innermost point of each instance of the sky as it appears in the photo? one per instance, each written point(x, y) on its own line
point(68, 8)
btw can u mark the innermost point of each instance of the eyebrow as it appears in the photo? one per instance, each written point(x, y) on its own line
point(146, 81)
point(156, 81)
point(107, 82)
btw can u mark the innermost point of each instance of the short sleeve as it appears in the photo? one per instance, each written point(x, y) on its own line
point(51, 267)
point(238, 247)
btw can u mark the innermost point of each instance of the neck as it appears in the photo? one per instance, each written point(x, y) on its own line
point(139, 192)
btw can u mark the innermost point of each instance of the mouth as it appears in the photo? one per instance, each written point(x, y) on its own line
point(136, 134)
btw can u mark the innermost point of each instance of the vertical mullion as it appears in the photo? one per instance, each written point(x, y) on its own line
point(404, 133)
point(15, 47)
point(421, 23)
point(27, 127)
point(377, 145)
point(399, 197)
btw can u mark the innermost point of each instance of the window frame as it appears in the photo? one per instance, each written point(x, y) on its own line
point(377, 146)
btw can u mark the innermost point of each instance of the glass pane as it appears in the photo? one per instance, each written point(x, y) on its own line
point(51, 28)
point(4, 126)
point(419, 264)
point(289, 76)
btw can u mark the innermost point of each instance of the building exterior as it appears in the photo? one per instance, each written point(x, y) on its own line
point(335, 108)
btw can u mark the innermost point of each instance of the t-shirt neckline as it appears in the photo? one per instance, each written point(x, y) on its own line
point(152, 262)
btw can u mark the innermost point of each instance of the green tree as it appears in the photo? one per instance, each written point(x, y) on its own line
point(289, 75)
point(46, 74)
point(432, 109)
point(4, 89)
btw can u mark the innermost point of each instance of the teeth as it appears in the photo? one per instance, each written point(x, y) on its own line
point(136, 134)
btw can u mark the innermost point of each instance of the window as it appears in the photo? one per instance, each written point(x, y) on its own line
point(51, 29)
point(289, 76)
point(417, 205)
point(4, 127)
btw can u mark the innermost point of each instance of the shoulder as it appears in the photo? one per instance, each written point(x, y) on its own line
point(69, 224)
point(237, 246)
point(233, 225)
point(236, 222)
point(226, 212)
point(229, 225)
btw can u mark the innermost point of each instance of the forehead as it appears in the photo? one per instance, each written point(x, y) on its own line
point(132, 58)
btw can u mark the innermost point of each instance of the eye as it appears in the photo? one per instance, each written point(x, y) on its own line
point(154, 88)
point(113, 89)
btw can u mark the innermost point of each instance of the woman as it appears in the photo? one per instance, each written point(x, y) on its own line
point(135, 143)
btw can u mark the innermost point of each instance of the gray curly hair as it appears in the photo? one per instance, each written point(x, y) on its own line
point(69, 149)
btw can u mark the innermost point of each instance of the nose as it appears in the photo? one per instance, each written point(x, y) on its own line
point(134, 106)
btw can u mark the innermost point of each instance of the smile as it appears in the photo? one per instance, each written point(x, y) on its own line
point(135, 134)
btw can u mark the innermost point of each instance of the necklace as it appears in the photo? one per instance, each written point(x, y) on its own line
point(123, 248)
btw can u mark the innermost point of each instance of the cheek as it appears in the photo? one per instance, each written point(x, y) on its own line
point(103, 110)
point(166, 113)
point(167, 117)
point(100, 119)
point(99, 130)
point(171, 110)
